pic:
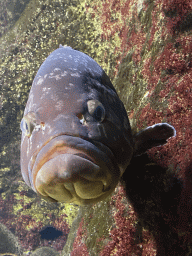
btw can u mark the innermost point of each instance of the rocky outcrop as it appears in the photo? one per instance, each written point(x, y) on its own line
point(8, 242)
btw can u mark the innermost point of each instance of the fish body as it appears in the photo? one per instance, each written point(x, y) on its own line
point(76, 137)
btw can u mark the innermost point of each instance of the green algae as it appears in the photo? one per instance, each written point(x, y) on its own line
point(95, 229)
point(38, 209)
point(71, 212)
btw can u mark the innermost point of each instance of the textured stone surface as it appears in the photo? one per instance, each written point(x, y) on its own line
point(8, 242)
point(45, 251)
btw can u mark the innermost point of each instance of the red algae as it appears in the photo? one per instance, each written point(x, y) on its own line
point(176, 12)
point(123, 235)
point(114, 16)
point(26, 227)
point(80, 248)
point(148, 246)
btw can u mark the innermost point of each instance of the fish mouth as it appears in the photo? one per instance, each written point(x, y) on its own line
point(73, 170)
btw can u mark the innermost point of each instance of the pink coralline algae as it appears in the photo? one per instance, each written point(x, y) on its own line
point(79, 247)
point(123, 236)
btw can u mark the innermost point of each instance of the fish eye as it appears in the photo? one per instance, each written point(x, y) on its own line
point(96, 110)
point(28, 123)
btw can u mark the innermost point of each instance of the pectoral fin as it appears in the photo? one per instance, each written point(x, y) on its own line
point(153, 136)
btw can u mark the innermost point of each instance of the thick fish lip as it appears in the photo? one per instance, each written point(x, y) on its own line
point(81, 149)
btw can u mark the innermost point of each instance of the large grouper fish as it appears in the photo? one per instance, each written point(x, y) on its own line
point(76, 137)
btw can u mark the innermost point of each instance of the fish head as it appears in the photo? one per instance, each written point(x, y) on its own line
point(76, 137)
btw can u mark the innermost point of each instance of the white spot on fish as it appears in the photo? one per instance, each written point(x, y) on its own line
point(46, 89)
point(48, 127)
point(34, 106)
point(22, 139)
point(61, 116)
point(39, 110)
point(40, 81)
point(59, 105)
point(71, 84)
point(37, 127)
point(57, 69)
point(30, 103)
point(45, 92)
point(73, 125)
point(54, 97)
point(31, 143)
point(57, 77)
point(75, 74)
point(64, 73)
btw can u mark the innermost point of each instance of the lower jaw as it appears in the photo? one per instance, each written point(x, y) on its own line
point(80, 201)
point(99, 151)
point(82, 192)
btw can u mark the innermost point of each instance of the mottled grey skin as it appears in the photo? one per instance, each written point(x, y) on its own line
point(76, 137)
